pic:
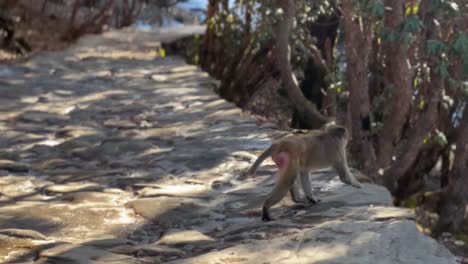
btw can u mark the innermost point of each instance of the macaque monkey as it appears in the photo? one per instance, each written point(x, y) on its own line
point(295, 156)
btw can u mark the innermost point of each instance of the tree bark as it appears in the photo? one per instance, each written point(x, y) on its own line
point(209, 41)
point(44, 6)
point(398, 84)
point(425, 125)
point(454, 204)
point(129, 12)
point(357, 44)
point(248, 19)
point(329, 104)
point(71, 21)
point(306, 110)
point(314, 86)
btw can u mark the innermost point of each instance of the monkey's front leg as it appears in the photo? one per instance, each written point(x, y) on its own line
point(295, 191)
point(345, 175)
point(307, 187)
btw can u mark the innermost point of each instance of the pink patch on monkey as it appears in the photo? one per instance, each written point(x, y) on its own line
point(281, 160)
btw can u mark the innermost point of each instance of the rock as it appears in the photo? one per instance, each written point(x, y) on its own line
point(338, 242)
point(71, 187)
point(351, 196)
point(110, 150)
point(23, 233)
point(14, 249)
point(42, 117)
point(22, 185)
point(10, 165)
point(76, 132)
point(89, 196)
point(119, 123)
point(188, 190)
point(65, 253)
point(168, 210)
point(51, 164)
point(159, 78)
point(158, 250)
point(380, 213)
point(181, 237)
point(104, 243)
point(80, 220)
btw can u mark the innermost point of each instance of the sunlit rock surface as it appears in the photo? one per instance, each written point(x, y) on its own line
point(110, 154)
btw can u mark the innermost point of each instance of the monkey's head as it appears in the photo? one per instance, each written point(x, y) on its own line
point(337, 131)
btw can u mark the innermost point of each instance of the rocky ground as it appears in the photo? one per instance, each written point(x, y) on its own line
point(110, 154)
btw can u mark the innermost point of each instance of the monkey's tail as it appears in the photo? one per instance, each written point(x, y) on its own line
point(267, 153)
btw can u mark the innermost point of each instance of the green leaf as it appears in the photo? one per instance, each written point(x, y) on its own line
point(440, 138)
point(389, 35)
point(460, 44)
point(411, 24)
point(412, 9)
point(407, 38)
point(434, 47)
point(434, 5)
point(375, 8)
point(442, 70)
point(453, 84)
point(162, 52)
point(465, 67)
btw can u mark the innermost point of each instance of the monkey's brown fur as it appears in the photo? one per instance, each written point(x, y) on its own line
point(297, 155)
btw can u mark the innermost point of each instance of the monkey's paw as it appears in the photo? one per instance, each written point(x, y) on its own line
point(356, 184)
point(313, 200)
point(265, 215)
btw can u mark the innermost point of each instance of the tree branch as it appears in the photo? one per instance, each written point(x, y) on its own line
point(306, 109)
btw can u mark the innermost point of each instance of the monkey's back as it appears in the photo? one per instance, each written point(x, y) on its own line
point(321, 149)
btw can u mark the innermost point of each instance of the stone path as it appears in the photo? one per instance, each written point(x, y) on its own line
point(110, 155)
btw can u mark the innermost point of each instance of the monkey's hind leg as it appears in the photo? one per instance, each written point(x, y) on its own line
point(307, 187)
point(288, 170)
point(273, 198)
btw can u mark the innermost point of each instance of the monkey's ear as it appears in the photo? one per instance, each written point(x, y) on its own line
point(337, 131)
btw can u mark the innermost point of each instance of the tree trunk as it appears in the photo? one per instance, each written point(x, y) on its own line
point(314, 86)
point(71, 21)
point(306, 110)
point(398, 84)
point(422, 128)
point(454, 204)
point(206, 53)
point(357, 44)
point(248, 19)
point(129, 12)
point(44, 6)
point(220, 48)
point(329, 104)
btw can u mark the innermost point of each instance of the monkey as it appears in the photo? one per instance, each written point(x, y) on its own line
point(296, 155)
